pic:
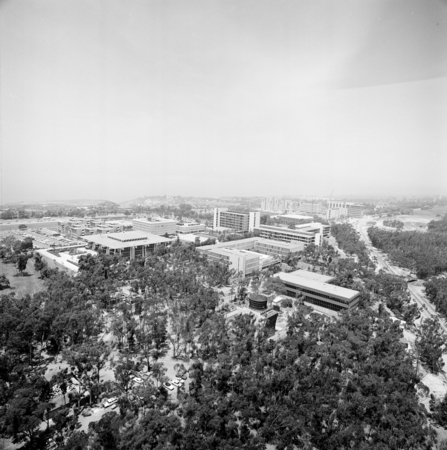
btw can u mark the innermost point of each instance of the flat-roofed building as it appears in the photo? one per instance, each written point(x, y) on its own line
point(293, 219)
point(259, 245)
point(65, 258)
point(158, 225)
point(315, 227)
point(242, 261)
point(312, 208)
point(313, 276)
point(306, 236)
point(235, 220)
point(187, 228)
point(338, 209)
point(318, 293)
point(130, 244)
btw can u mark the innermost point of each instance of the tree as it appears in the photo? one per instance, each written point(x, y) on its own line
point(40, 265)
point(21, 263)
point(4, 282)
point(430, 345)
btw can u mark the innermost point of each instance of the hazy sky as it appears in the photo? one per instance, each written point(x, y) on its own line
point(119, 99)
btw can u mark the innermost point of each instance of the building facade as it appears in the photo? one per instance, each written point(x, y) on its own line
point(338, 209)
point(187, 228)
point(130, 244)
point(318, 293)
point(157, 226)
point(311, 233)
point(234, 220)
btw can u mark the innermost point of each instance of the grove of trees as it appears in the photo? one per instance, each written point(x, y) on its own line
point(423, 253)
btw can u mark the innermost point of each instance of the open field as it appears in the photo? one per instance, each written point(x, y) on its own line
point(21, 285)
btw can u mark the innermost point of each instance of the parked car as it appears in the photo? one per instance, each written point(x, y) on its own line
point(169, 386)
point(177, 383)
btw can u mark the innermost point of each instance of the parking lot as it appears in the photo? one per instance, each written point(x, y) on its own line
point(40, 239)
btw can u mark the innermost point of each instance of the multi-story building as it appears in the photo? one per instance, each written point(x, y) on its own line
point(235, 220)
point(186, 228)
point(318, 291)
point(309, 233)
point(156, 225)
point(313, 208)
point(264, 246)
point(242, 261)
point(338, 209)
point(275, 204)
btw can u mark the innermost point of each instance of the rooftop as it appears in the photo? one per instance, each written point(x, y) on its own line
point(234, 252)
point(126, 239)
point(312, 276)
point(300, 232)
point(295, 216)
point(324, 288)
point(154, 220)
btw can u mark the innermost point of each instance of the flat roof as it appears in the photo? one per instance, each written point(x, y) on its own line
point(154, 220)
point(324, 288)
point(295, 216)
point(281, 244)
point(125, 239)
point(232, 244)
point(285, 230)
point(312, 276)
point(235, 251)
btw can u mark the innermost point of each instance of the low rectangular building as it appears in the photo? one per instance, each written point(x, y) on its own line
point(158, 225)
point(318, 293)
point(187, 228)
point(306, 236)
point(242, 261)
point(130, 244)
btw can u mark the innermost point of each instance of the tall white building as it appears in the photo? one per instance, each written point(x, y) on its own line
point(235, 220)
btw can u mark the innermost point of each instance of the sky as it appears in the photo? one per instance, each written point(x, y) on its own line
point(118, 99)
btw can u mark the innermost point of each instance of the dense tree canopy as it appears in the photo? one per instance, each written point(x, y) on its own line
point(424, 253)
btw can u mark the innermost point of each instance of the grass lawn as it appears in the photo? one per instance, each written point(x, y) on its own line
point(21, 285)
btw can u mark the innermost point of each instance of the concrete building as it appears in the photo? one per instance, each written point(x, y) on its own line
point(314, 208)
point(130, 244)
point(319, 293)
point(234, 220)
point(259, 245)
point(187, 228)
point(338, 209)
point(65, 258)
point(156, 226)
point(292, 219)
point(275, 204)
point(309, 233)
point(242, 261)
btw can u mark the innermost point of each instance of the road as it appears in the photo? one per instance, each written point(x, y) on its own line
point(427, 311)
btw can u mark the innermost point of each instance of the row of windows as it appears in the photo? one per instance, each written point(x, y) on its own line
point(309, 291)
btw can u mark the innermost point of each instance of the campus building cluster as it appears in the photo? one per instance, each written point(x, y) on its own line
point(251, 254)
point(283, 205)
point(75, 227)
point(337, 209)
point(332, 209)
